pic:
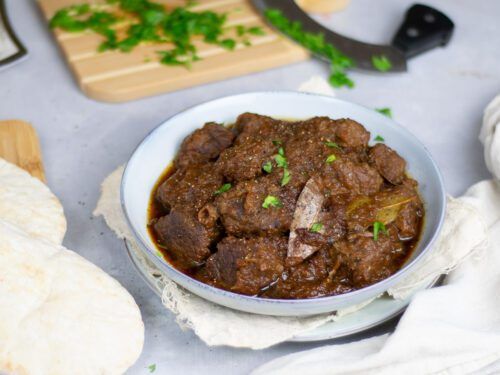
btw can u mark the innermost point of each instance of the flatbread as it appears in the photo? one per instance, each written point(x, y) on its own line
point(27, 203)
point(60, 314)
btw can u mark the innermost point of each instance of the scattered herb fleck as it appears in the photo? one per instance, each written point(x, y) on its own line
point(332, 145)
point(316, 227)
point(281, 161)
point(339, 63)
point(268, 167)
point(152, 368)
point(381, 63)
point(276, 142)
point(377, 228)
point(223, 189)
point(331, 158)
point(379, 138)
point(385, 111)
point(150, 21)
point(286, 177)
point(271, 201)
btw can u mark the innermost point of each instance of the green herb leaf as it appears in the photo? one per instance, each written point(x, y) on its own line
point(316, 227)
point(381, 63)
point(339, 63)
point(331, 158)
point(256, 30)
point(377, 228)
point(332, 145)
point(281, 161)
point(271, 201)
point(379, 138)
point(223, 189)
point(281, 151)
point(152, 368)
point(385, 111)
point(268, 167)
point(286, 177)
point(149, 21)
point(276, 142)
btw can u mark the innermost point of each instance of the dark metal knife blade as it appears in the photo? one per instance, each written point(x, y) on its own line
point(424, 28)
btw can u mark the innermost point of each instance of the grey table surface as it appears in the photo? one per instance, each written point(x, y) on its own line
point(440, 99)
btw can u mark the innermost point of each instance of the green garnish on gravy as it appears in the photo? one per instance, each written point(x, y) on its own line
point(332, 144)
point(316, 227)
point(377, 228)
point(286, 177)
point(271, 201)
point(381, 63)
point(152, 22)
point(331, 158)
point(385, 111)
point(379, 138)
point(339, 63)
point(223, 189)
point(268, 167)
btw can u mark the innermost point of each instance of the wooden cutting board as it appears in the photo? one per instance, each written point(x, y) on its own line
point(115, 77)
point(19, 145)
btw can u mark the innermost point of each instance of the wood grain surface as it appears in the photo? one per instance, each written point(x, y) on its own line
point(114, 76)
point(19, 145)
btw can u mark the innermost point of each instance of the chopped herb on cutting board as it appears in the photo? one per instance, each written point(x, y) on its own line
point(152, 22)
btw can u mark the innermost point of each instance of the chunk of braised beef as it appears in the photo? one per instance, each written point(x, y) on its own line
point(408, 220)
point(371, 261)
point(247, 265)
point(204, 144)
point(351, 134)
point(242, 212)
point(245, 160)
point(305, 279)
point(183, 236)
point(388, 163)
point(344, 175)
point(253, 126)
point(190, 188)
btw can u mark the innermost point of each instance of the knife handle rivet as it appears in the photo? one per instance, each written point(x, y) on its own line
point(412, 32)
point(429, 18)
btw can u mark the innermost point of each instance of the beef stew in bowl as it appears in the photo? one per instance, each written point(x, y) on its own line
point(286, 209)
point(161, 147)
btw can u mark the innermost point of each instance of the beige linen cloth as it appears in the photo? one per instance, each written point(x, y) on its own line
point(453, 329)
point(463, 233)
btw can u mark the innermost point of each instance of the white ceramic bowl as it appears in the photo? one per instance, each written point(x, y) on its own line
point(159, 148)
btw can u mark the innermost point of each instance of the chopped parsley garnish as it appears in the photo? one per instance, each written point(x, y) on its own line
point(379, 138)
point(276, 142)
point(268, 167)
point(271, 201)
point(316, 227)
point(223, 189)
point(286, 177)
point(381, 63)
point(385, 111)
point(332, 145)
point(281, 162)
point(377, 228)
point(152, 368)
point(149, 21)
point(331, 158)
point(339, 63)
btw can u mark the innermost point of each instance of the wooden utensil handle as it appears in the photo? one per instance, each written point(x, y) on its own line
point(19, 145)
point(323, 6)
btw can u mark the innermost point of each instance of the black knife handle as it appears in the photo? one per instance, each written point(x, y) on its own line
point(424, 28)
